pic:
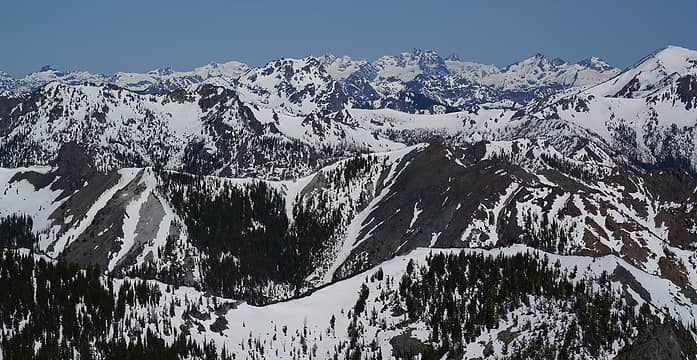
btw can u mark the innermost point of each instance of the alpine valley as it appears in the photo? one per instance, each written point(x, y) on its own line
point(412, 207)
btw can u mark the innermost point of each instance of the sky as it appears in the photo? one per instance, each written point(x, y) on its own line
point(129, 35)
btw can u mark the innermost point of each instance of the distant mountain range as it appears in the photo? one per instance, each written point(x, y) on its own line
point(414, 81)
point(311, 105)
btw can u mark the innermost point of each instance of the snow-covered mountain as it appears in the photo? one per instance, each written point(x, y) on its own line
point(647, 112)
point(540, 71)
point(416, 81)
point(296, 87)
point(296, 104)
point(577, 306)
point(205, 130)
point(652, 74)
point(45, 75)
point(644, 116)
point(469, 70)
point(155, 81)
point(421, 81)
point(406, 66)
point(328, 206)
point(340, 68)
point(164, 80)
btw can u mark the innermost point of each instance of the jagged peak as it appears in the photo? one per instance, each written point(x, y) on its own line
point(420, 52)
point(414, 54)
point(307, 60)
point(538, 59)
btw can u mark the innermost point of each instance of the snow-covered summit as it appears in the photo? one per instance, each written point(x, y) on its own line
point(341, 67)
point(595, 63)
point(157, 80)
point(293, 86)
point(539, 70)
point(167, 79)
point(407, 65)
point(651, 74)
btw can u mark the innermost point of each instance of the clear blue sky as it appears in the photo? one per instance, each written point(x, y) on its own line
point(129, 35)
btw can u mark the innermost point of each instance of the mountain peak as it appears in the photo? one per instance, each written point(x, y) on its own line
point(673, 58)
point(431, 55)
point(543, 59)
point(595, 63)
point(538, 60)
point(328, 58)
point(296, 86)
point(675, 48)
point(232, 69)
point(46, 68)
point(652, 74)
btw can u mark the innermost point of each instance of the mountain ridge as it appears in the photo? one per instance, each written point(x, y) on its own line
point(383, 75)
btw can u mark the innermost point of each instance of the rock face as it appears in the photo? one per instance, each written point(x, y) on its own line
point(662, 341)
point(74, 168)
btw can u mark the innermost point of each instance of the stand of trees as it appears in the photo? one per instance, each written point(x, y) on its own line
point(461, 296)
point(249, 243)
point(567, 167)
point(55, 310)
point(245, 234)
point(549, 236)
point(16, 232)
